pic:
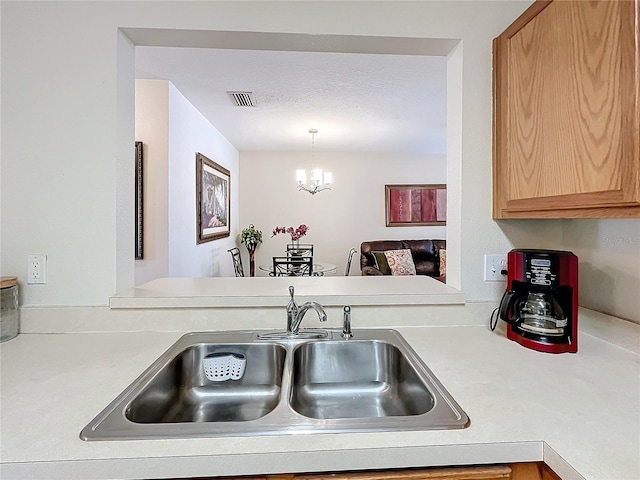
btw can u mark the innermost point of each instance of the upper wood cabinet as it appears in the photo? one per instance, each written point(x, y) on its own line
point(566, 112)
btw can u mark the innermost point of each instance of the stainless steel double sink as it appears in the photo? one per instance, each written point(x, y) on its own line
point(314, 382)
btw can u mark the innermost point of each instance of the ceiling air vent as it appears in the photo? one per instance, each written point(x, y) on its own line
point(242, 99)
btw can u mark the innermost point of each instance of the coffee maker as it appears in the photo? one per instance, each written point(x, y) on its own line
point(540, 305)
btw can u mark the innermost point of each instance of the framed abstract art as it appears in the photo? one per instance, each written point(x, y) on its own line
point(415, 205)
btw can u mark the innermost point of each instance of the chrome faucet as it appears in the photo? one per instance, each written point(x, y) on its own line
point(295, 314)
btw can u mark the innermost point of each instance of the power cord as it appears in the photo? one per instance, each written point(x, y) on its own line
point(493, 319)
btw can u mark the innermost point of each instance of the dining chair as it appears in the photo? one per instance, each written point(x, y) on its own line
point(351, 253)
point(237, 261)
point(292, 267)
point(302, 249)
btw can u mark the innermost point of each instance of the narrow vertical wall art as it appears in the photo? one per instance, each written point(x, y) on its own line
point(139, 215)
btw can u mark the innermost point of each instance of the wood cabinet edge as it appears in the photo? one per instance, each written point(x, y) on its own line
point(608, 212)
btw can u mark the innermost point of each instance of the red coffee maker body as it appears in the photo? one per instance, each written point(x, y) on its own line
point(540, 305)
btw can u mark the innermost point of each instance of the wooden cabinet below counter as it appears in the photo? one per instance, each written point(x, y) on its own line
point(514, 471)
point(566, 93)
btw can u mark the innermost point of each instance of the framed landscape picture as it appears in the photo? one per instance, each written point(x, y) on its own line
point(212, 200)
point(416, 205)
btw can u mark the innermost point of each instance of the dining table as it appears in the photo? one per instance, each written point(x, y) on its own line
point(319, 268)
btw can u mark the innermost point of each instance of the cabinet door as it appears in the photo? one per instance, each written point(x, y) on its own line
point(491, 472)
point(515, 471)
point(567, 112)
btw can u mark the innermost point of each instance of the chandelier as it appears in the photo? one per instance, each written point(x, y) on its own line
point(318, 181)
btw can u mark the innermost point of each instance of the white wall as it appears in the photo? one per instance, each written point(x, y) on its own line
point(190, 132)
point(152, 128)
point(173, 131)
point(67, 129)
point(353, 211)
point(609, 264)
point(121, 215)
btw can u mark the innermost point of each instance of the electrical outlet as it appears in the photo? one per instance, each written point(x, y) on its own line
point(36, 269)
point(494, 265)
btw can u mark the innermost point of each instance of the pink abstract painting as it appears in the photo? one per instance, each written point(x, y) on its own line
point(416, 205)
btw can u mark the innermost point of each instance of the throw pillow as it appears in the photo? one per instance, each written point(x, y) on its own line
point(381, 262)
point(443, 262)
point(400, 262)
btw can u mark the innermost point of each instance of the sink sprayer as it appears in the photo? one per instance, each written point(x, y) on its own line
point(346, 322)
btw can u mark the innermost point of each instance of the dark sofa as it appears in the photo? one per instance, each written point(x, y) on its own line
point(425, 254)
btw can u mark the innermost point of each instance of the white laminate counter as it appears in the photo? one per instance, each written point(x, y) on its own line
point(580, 413)
point(273, 291)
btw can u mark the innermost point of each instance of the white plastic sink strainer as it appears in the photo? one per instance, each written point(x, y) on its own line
point(222, 366)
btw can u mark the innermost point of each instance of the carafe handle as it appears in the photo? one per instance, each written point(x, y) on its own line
point(509, 302)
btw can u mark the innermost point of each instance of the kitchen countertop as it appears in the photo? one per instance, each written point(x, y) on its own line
point(580, 413)
point(273, 291)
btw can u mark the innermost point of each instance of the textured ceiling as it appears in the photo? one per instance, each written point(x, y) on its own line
point(358, 102)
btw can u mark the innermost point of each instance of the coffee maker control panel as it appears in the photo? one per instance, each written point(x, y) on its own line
point(540, 272)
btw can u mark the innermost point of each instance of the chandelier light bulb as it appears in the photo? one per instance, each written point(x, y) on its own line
point(317, 176)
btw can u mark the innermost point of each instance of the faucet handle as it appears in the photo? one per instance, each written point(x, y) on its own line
point(292, 306)
point(292, 312)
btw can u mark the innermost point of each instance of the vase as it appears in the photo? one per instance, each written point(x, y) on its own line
point(251, 248)
point(294, 249)
point(296, 255)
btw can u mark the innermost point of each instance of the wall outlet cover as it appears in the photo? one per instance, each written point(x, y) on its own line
point(36, 269)
point(494, 265)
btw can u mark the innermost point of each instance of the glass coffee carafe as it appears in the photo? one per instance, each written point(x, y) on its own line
point(534, 312)
point(541, 314)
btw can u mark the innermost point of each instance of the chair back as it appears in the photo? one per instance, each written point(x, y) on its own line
point(292, 266)
point(237, 261)
point(351, 253)
point(301, 250)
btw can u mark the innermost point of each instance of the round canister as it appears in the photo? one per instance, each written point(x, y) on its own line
point(9, 315)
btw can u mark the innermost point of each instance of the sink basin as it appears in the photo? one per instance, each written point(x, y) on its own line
point(181, 392)
point(303, 384)
point(356, 379)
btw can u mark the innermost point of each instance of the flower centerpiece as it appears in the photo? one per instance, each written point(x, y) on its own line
point(251, 237)
point(296, 233)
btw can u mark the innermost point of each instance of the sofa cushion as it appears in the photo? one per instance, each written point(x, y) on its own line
point(443, 262)
point(425, 256)
point(382, 263)
point(400, 262)
point(367, 262)
point(425, 253)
